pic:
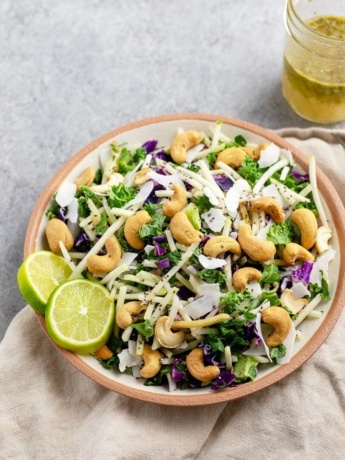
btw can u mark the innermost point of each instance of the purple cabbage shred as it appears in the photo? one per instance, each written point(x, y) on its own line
point(303, 272)
point(299, 177)
point(225, 379)
point(161, 155)
point(251, 333)
point(225, 183)
point(61, 214)
point(159, 238)
point(150, 146)
point(164, 263)
point(158, 250)
point(184, 293)
point(82, 242)
point(152, 198)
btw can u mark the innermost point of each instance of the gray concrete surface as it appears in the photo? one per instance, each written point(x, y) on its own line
point(71, 70)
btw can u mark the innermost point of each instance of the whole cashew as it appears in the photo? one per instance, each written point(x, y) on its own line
point(183, 231)
point(56, 231)
point(152, 362)
point(200, 322)
point(196, 367)
point(132, 227)
point(232, 156)
point(307, 223)
point(243, 275)
point(294, 251)
point(86, 178)
point(218, 244)
point(324, 233)
point(288, 300)
point(114, 179)
point(183, 142)
point(164, 334)
point(124, 314)
point(142, 176)
point(271, 207)
point(107, 262)
point(259, 250)
point(280, 319)
point(177, 202)
point(254, 153)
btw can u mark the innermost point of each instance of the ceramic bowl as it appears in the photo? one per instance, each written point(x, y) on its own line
point(164, 128)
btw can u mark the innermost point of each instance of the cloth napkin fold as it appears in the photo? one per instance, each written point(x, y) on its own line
point(49, 410)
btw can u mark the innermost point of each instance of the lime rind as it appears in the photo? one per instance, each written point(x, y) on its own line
point(80, 316)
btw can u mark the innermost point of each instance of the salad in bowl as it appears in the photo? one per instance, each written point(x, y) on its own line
point(213, 251)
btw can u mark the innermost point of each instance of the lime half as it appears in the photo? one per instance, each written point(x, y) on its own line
point(40, 273)
point(80, 315)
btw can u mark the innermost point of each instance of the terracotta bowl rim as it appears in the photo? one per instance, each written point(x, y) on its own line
point(335, 207)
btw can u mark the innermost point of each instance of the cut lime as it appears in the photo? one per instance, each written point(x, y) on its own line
point(80, 315)
point(40, 273)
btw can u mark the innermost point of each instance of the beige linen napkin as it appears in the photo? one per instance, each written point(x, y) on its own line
point(48, 410)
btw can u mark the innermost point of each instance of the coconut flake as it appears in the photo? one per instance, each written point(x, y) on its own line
point(202, 306)
point(272, 191)
point(148, 248)
point(299, 290)
point(262, 233)
point(166, 181)
point(259, 330)
point(211, 262)
point(254, 288)
point(72, 213)
point(211, 196)
point(206, 289)
point(232, 199)
point(288, 155)
point(191, 153)
point(321, 266)
point(128, 360)
point(269, 156)
point(66, 193)
point(142, 196)
point(127, 258)
point(215, 219)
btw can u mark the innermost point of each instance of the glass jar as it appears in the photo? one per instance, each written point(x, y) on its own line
point(314, 59)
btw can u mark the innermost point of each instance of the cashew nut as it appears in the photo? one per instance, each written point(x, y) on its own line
point(243, 275)
point(256, 249)
point(252, 152)
point(114, 179)
point(294, 251)
point(86, 178)
point(183, 142)
point(270, 206)
point(288, 300)
point(218, 244)
point(280, 319)
point(164, 334)
point(152, 362)
point(232, 156)
point(183, 231)
point(307, 223)
point(56, 231)
point(196, 367)
point(323, 235)
point(142, 176)
point(132, 227)
point(104, 353)
point(200, 322)
point(124, 314)
point(177, 202)
point(107, 262)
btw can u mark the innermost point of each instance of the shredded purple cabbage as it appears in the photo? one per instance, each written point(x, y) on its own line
point(152, 198)
point(162, 171)
point(299, 177)
point(164, 263)
point(303, 272)
point(161, 155)
point(158, 250)
point(61, 214)
point(82, 242)
point(176, 374)
point(225, 379)
point(159, 238)
point(184, 293)
point(250, 333)
point(150, 146)
point(225, 183)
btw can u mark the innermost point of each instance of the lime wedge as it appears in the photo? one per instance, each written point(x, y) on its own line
point(40, 273)
point(80, 315)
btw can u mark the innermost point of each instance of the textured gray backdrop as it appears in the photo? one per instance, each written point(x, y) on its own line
point(71, 70)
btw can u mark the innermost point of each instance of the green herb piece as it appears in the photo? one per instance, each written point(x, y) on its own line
point(250, 170)
point(193, 167)
point(160, 378)
point(212, 276)
point(315, 289)
point(240, 140)
point(270, 274)
point(120, 235)
point(278, 352)
point(88, 194)
point(98, 177)
point(152, 208)
point(232, 333)
point(145, 329)
point(203, 204)
point(231, 301)
point(211, 158)
point(192, 212)
point(153, 228)
point(173, 256)
point(128, 160)
point(245, 369)
point(282, 234)
point(53, 210)
point(119, 195)
point(102, 225)
point(215, 342)
point(272, 297)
